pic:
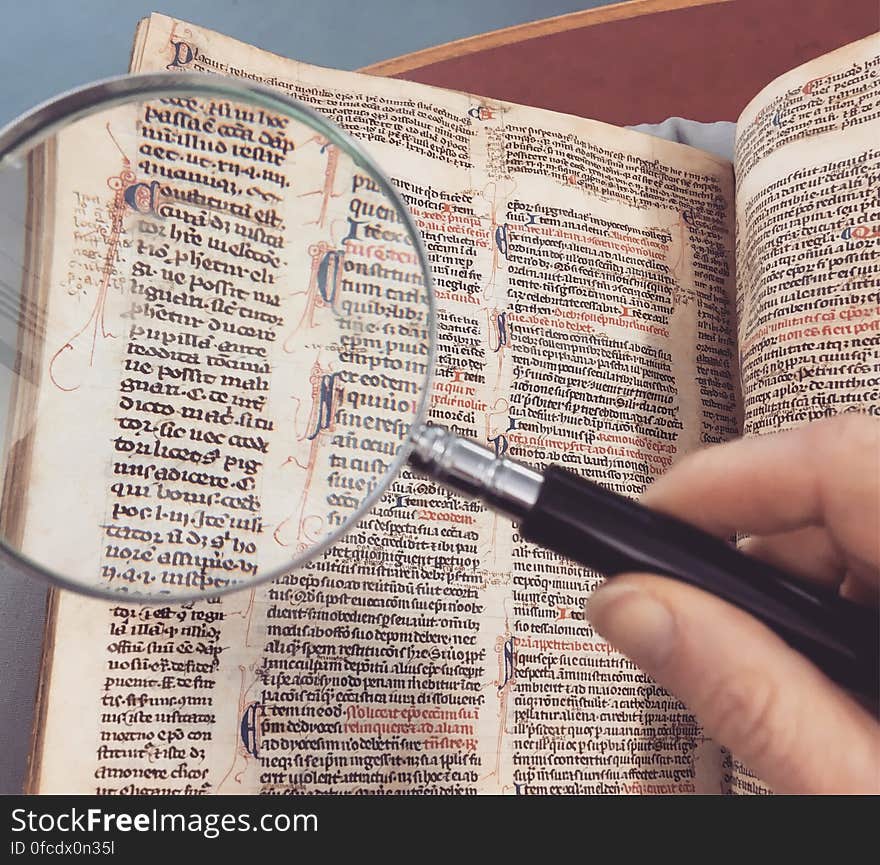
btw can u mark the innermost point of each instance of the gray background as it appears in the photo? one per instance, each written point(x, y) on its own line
point(52, 46)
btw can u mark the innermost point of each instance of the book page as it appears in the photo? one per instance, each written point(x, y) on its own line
point(584, 292)
point(807, 162)
point(807, 167)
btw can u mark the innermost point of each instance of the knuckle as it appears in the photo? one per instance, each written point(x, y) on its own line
point(850, 450)
point(745, 712)
point(852, 430)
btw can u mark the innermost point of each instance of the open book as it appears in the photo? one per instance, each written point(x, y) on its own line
point(607, 300)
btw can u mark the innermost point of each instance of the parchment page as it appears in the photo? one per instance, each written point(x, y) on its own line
point(807, 168)
point(807, 163)
point(584, 288)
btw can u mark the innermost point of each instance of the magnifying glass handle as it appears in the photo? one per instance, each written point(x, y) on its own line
point(609, 533)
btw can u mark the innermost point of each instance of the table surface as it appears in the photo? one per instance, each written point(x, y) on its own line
point(644, 61)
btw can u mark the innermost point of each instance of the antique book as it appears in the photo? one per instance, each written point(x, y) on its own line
point(606, 300)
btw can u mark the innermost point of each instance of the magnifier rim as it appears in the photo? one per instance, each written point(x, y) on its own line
point(47, 118)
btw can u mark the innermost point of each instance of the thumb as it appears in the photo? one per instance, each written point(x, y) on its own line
point(753, 694)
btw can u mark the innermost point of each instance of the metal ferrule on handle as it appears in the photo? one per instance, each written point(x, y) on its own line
point(474, 470)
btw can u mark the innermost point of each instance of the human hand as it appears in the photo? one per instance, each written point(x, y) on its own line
point(810, 499)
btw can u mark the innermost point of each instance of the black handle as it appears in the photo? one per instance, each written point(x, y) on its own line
point(611, 534)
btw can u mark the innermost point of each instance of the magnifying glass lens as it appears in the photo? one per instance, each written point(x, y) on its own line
point(215, 326)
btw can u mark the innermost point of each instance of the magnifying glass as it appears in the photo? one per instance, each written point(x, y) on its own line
point(218, 336)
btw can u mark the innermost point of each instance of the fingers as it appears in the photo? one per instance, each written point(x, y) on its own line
point(812, 554)
point(752, 694)
point(823, 473)
point(812, 496)
point(808, 552)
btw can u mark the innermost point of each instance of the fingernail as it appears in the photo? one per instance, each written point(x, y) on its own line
point(634, 622)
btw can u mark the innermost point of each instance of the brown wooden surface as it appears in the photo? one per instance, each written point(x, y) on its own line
point(397, 66)
point(643, 61)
